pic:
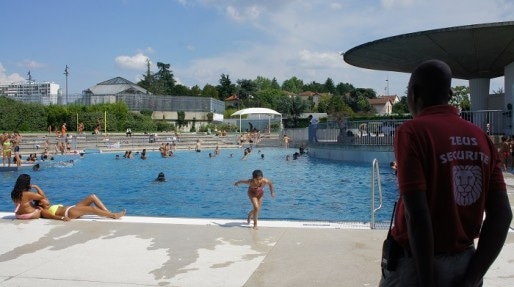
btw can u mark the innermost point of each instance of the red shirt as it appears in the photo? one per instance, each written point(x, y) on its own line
point(455, 163)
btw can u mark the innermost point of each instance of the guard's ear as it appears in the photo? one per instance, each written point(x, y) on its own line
point(416, 92)
point(450, 95)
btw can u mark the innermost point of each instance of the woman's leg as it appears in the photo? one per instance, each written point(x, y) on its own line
point(92, 199)
point(79, 210)
point(256, 202)
point(5, 157)
point(250, 213)
point(18, 158)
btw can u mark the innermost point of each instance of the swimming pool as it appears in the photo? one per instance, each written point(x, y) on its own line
point(198, 186)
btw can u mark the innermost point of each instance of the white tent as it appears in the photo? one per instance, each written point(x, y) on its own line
point(258, 111)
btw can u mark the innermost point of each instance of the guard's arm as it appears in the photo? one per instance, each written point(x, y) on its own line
point(492, 237)
point(421, 238)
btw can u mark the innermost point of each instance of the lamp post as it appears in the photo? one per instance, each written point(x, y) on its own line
point(387, 87)
point(66, 73)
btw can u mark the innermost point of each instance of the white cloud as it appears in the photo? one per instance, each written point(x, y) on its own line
point(312, 59)
point(297, 37)
point(135, 62)
point(8, 79)
point(243, 14)
point(391, 4)
point(31, 64)
point(233, 13)
point(148, 50)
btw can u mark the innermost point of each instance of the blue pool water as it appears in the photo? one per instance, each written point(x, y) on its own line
point(201, 187)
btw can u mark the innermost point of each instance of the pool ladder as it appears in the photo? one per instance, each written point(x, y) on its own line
point(375, 181)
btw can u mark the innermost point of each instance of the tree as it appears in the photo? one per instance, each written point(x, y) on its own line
point(358, 100)
point(210, 91)
point(293, 85)
point(164, 81)
point(262, 83)
point(181, 90)
point(196, 91)
point(314, 87)
point(298, 106)
point(330, 87)
point(293, 107)
point(274, 84)
point(225, 87)
point(401, 107)
point(337, 106)
point(268, 98)
point(181, 119)
point(148, 79)
point(245, 89)
point(324, 103)
point(344, 89)
point(56, 115)
point(363, 105)
point(460, 98)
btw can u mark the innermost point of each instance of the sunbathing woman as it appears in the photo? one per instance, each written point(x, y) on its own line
point(23, 198)
point(88, 206)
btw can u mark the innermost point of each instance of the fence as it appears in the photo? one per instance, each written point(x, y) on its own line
point(138, 102)
point(381, 132)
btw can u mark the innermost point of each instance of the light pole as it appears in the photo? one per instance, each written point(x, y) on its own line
point(66, 73)
point(387, 87)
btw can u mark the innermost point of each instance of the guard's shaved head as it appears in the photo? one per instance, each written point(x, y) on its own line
point(429, 85)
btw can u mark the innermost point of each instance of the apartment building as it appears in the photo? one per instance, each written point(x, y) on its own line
point(45, 93)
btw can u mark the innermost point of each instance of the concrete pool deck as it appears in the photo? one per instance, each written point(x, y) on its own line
point(147, 251)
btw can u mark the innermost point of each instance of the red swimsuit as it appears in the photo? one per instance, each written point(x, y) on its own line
point(256, 191)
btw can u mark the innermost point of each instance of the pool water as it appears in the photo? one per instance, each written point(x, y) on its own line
point(198, 186)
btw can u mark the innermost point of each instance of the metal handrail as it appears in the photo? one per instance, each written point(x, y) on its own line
point(375, 173)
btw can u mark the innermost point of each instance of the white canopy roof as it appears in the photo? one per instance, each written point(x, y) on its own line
point(256, 111)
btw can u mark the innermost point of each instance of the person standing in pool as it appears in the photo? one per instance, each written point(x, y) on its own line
point(256, 193)
point(63, 130)
point(6, 148)
point(286, 141)
point(198, 146)
point(16, 142)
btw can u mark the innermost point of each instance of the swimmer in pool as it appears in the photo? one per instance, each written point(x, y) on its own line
point(160, 177)
point(23, 198)
point(256, 193)
point(88, 206)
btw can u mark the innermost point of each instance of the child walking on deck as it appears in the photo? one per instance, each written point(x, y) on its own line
point(256, 193)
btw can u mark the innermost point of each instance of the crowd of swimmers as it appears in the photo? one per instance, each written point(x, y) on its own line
point(11, 154)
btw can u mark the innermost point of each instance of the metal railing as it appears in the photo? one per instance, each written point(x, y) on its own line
point(375, 181)
point(373, 132)
point(381, 132)
point(493, 122)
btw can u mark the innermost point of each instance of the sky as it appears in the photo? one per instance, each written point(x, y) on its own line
point(203, 39)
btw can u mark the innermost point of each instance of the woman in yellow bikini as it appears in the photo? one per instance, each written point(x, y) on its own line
point(256, 193)
point(23, 198)
point(90, 205)
point(6, 149)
